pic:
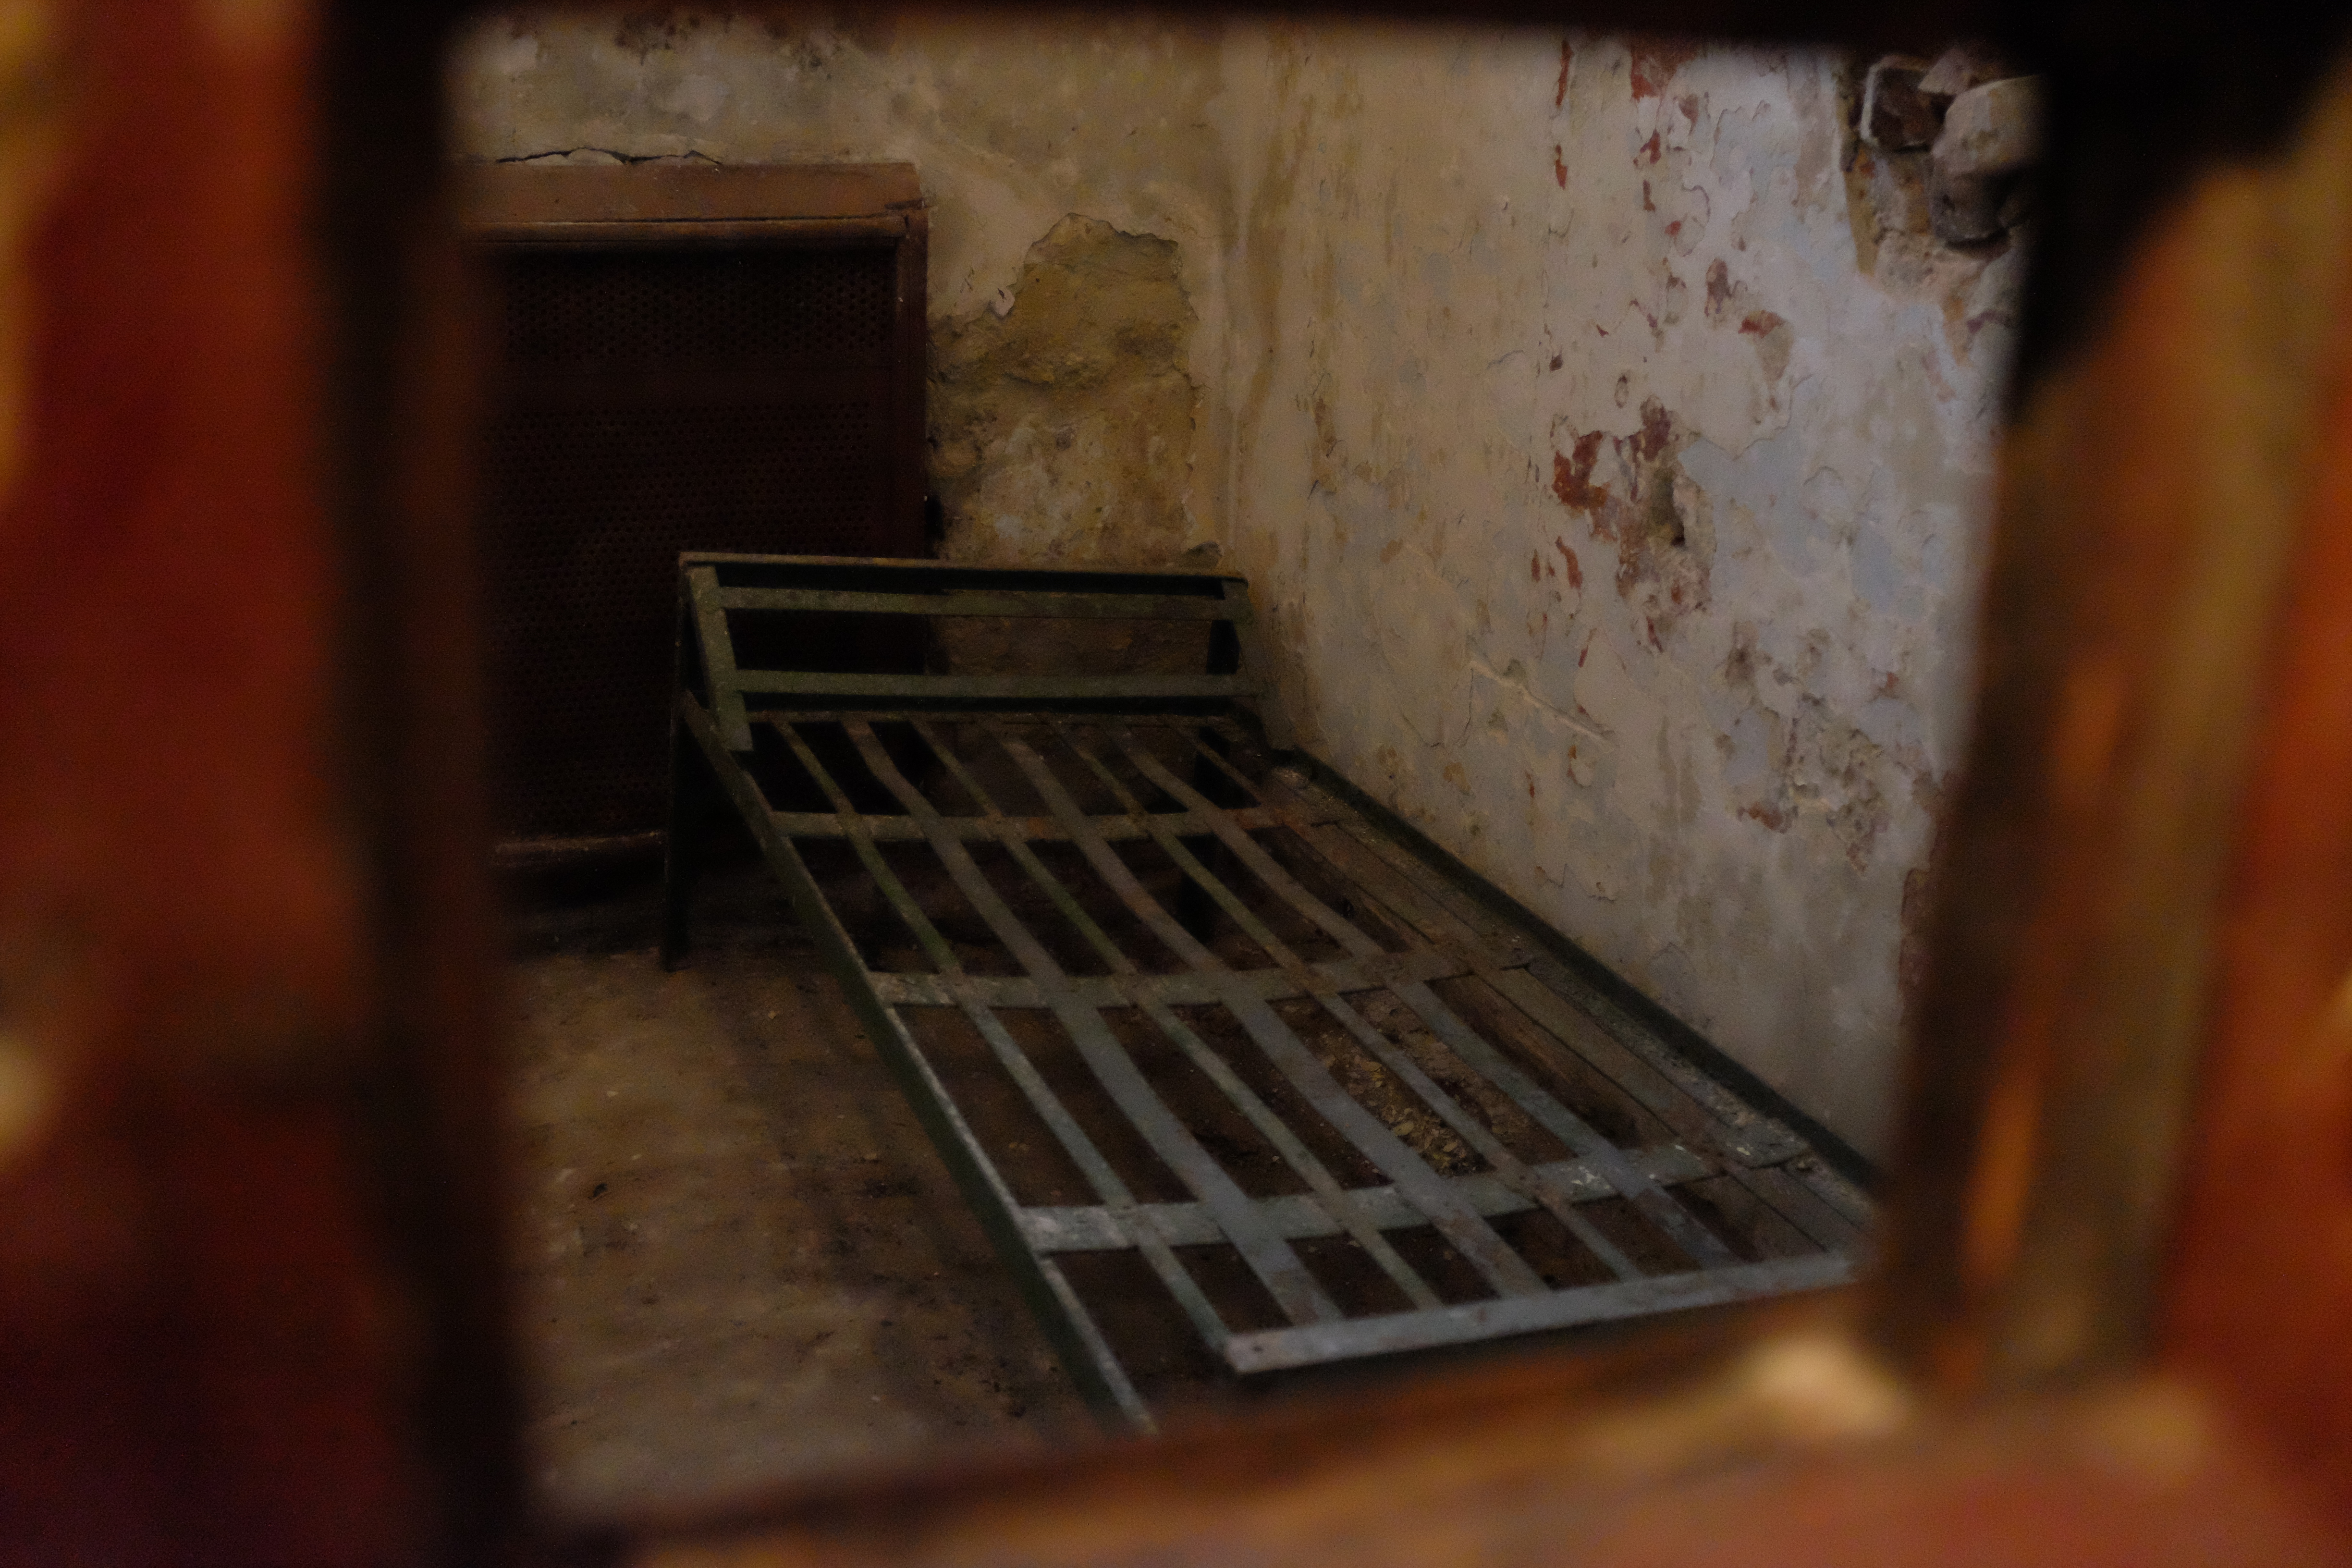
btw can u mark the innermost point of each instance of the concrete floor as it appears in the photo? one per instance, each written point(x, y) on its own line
point(739, 1260)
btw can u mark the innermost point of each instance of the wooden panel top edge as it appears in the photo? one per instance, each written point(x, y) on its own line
point(676, 190)
point(923, 566)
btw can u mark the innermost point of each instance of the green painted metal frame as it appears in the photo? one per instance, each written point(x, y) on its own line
point(1102, 728)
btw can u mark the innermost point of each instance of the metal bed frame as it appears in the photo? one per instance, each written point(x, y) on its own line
point(901, 775)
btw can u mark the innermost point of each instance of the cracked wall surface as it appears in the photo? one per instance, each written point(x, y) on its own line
point(1079, 226)
point(1605, 434)
point(1062, 421)
point(1609, 456)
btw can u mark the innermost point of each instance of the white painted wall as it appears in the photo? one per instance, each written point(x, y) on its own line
point(1444, 284)
point(1716, 765)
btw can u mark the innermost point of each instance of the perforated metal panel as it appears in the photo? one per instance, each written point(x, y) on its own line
point(653, 399)
point(592, 308)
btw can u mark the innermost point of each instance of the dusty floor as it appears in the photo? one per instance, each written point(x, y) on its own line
point(739, 1261)
point(711, 1303)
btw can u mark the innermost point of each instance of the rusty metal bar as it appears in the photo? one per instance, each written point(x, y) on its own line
point(1035, 829)
point(1075, 1338)
point(989, 688)
point(1079, 1228)
point(1072, 1138)
point(1273, 1350)
point(1295, 1290)
point(1467, 1233)
point(1167, 930)
point(1441, 940)
point(1195, 988)
point(1345, 1210)
point(717, 658)
point(1644, 1068)
point(1655, 1204)
point(1460, 1226)
point(1006, 605)
point(1762, 1155)
point(1507, 1166)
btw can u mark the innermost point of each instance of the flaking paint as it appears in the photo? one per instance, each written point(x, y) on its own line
point(1071, 178)
point(1630, 553)
point(1603, 436)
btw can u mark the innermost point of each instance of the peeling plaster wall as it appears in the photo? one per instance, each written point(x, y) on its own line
point(1602, 432)
point(1609, 453)
point(1071, 169)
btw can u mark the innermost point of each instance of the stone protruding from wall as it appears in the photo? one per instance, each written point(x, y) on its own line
point(1950, 142)
point(1941, 226)
point(1990, 137)
point(1896, 114)
point(1960, 67)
